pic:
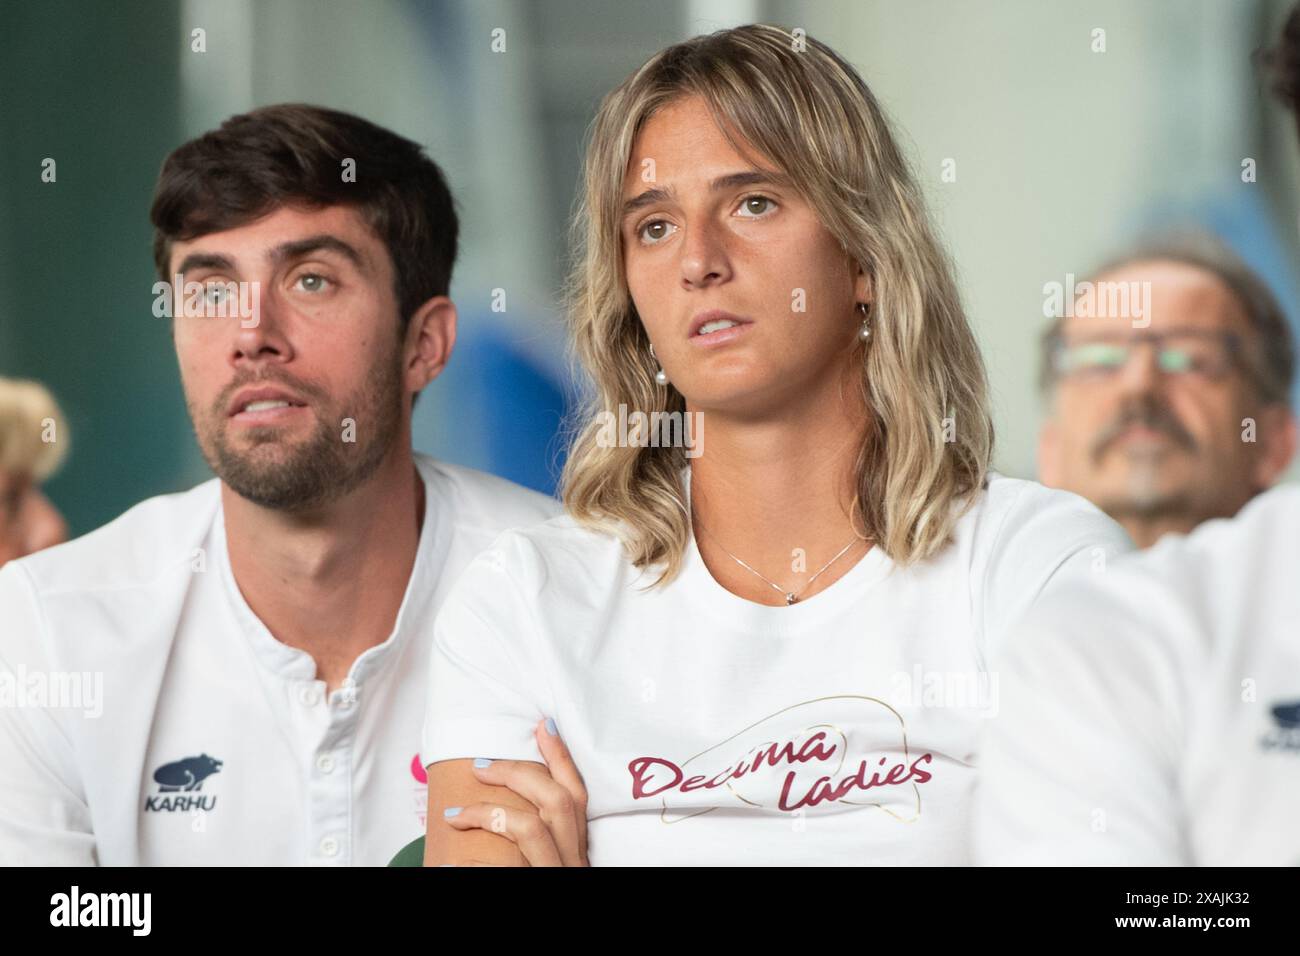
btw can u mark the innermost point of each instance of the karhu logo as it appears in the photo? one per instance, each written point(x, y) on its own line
point(183, 778)
point(1287, 734)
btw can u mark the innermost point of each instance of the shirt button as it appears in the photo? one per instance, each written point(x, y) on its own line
point(325, 763)
point(329, 846)
point(307, 696)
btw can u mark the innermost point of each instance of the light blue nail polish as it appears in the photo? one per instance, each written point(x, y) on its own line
point(551, 728)
point(482, 762)
point(451, 811)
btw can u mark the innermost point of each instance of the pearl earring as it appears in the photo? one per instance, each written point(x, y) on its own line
point(864, 333)
point(660, 376)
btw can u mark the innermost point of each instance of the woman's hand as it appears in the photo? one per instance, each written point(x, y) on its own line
point(554, 831)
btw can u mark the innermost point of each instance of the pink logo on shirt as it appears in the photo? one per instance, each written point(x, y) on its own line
point(809, 755)
point(418, 771)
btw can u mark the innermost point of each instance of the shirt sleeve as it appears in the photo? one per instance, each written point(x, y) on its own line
point(1079, 765)
point(1045, 538)
point(44, 817)
point(486, 689)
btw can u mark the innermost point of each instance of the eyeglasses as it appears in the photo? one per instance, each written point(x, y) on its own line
point(1204, 353)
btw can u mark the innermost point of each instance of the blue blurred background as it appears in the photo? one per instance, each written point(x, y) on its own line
point(1062, 153)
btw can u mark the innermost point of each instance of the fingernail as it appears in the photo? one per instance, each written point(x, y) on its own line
point(551, 728)
point(482, 762)
point(446, 864)
point(451, 811)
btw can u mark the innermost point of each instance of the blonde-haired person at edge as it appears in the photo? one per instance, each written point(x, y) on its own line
point(774, 647)
point(33, 443)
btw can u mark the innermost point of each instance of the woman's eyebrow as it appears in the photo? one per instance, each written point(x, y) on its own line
point(647, 198)
point(752, 177)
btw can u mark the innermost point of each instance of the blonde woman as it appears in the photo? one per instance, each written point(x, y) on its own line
point(772, 646)
point(33, 442)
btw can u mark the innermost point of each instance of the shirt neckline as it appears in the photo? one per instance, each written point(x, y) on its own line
point(705, 591)
point(295, 663)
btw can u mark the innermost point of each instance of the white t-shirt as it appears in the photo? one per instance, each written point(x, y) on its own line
point(713, 730)
point(1151, 716)
point(148, 717)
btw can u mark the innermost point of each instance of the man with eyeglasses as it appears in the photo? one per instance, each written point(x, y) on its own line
point(1149, 714)
point(1168, 415)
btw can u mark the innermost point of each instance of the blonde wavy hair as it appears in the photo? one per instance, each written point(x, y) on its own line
point(808, 112)
point(25, 410)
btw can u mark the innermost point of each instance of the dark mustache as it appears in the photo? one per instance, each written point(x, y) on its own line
point(1153, 415)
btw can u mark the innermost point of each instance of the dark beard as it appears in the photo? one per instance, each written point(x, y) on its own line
point(323, 468)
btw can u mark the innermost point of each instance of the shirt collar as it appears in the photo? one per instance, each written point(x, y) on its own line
point(296, 664)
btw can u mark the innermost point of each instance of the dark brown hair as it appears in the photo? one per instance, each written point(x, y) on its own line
point(293, 154)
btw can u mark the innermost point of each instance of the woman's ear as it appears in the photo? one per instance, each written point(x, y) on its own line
point(864, 290)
